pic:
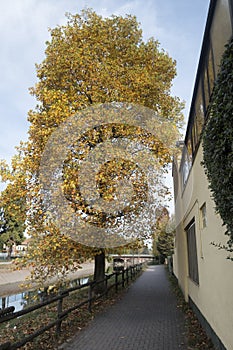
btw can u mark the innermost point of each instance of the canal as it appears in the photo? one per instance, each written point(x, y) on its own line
point(27, 298)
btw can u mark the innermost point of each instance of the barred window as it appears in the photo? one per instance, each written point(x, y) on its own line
point(192, 252)
point(203, 216)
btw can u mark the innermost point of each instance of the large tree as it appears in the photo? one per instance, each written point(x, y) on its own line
point(93, 60)
point(12, 204)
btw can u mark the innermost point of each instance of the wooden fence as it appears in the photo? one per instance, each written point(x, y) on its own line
point(111, 281)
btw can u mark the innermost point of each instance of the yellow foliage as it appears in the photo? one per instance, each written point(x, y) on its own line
point(88, 61)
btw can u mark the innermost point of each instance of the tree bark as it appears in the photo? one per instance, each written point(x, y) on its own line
point(99, 272)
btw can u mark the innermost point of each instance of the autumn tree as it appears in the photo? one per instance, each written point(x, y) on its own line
point(90, 61)
point(11, 230)
point(12, 204)
point(163, 237)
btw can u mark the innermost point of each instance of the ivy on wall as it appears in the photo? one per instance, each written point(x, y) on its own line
point(218, 143)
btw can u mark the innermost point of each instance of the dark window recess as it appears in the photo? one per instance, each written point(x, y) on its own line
point(192, 252)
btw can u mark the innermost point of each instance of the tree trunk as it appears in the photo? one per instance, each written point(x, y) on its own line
point(3, 302)
point(99, 272)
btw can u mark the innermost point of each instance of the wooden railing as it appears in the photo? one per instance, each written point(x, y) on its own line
point(110, 281)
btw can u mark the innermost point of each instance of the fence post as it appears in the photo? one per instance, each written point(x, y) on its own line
point(59, 311)
point(89, 296)
point(127, 275)
point(123, 279)
point(116, 281)
point(106, 286)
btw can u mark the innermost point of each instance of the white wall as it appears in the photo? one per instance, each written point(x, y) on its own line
point(214, 295)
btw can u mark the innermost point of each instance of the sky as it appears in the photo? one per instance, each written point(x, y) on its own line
point(177, 24)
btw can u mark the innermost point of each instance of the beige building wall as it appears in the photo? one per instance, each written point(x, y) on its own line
point(214, 294)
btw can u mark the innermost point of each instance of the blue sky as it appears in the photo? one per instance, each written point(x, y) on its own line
point(177, 24)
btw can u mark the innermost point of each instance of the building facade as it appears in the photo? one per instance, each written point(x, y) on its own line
point(203, 272)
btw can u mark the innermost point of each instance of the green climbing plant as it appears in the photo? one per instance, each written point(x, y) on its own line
point(218, 144)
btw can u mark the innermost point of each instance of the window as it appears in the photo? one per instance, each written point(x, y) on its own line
point(175, 177)
point(185, 166)
point(203, 216)
point(194, 136)
point(218, 32)
point(206, 87)
point(199, 109)
point(189, 148)
point(192, 252)
point(210, 70)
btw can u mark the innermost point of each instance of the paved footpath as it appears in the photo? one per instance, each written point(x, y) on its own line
point(146, 318)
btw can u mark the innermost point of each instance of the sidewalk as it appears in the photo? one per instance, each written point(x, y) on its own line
point(146, 318)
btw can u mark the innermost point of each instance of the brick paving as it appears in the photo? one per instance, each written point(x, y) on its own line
point(146, 318)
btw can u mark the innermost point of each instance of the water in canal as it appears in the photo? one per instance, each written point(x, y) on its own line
point(24, 299)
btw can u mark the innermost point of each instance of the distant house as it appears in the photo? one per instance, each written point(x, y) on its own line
point(23, 246)
point(203, 272)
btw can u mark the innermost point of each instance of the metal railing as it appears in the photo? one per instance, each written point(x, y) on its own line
point(121, 278)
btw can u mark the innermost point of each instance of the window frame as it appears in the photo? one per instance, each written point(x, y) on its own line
point(193, 267)
point(203, 214)
point(206, 67)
